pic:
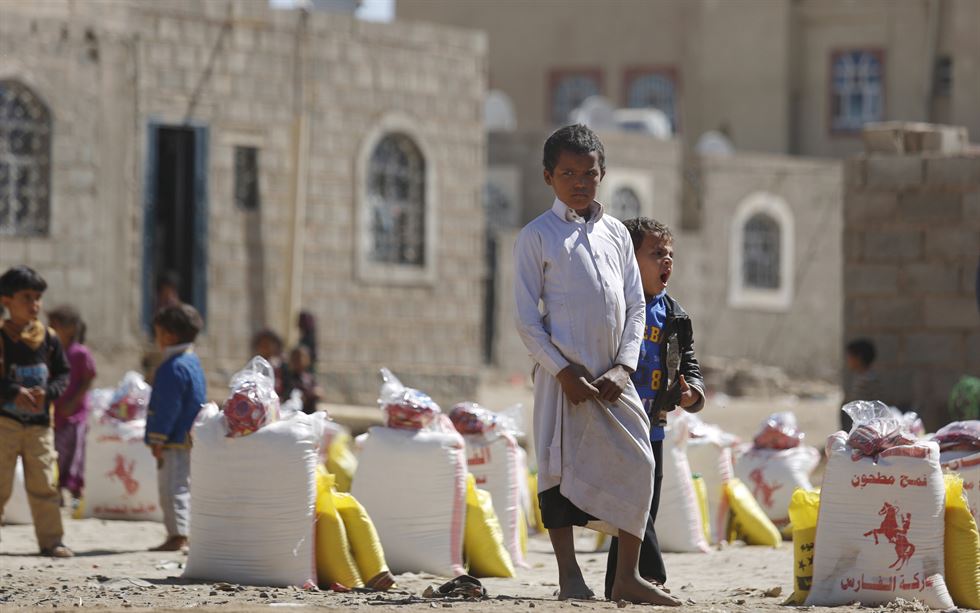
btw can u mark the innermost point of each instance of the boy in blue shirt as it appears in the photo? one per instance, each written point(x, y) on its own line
point(179, 391)
point(668, 374)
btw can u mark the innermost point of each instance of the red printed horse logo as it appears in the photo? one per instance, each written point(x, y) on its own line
point(895, 534)
point(123, 471)
point(760, 489)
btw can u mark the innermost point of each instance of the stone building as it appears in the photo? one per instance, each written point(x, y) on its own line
point(277, 160)
point(781, 76)
point(911, 244)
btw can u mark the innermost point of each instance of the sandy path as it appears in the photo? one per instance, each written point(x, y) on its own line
point(732, 579)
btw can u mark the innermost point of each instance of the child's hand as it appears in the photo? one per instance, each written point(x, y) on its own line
point(612, 384)
point(574, 380)
point(39, 395)
point(689, 395)
point(157, 451)
point(25, 401)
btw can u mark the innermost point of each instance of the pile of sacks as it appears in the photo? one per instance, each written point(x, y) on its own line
point(959, 453)
point(260, 496)
point(775, 464)
point(701, 501)
point(120, 470)
point(432, 464)
point(886, 523)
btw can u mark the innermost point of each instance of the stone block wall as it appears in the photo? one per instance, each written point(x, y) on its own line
point(911, 250)
point(248, 73)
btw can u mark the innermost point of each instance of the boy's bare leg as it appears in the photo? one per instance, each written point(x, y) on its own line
point(629, 585)
point(571, 583)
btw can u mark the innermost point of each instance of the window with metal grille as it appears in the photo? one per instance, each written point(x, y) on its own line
point(569, 90)
point(25, 162)
point(247, 178)
point(625, 204)
point(653, 89)
point(856, 89)
point(396, 197)
point(760, 260)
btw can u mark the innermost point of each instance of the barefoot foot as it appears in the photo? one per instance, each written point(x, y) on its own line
point(639, 591)
point(574, 588)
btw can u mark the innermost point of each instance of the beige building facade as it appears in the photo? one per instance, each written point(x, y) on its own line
point(278, 160)
point(777, 76)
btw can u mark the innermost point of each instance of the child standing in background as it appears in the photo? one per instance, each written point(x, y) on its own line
point(71, 408)
point(33, 373)
point(179, 390)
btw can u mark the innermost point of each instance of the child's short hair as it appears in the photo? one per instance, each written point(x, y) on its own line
point(67, 315)
point(181, 320)
point(266, 334)
point(576, 139)
point(863, 349)
point(19, 278)
point(641, 226)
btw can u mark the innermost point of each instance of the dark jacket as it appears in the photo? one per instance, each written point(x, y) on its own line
point(178, 392)
point(21, 366)
point(677, 352)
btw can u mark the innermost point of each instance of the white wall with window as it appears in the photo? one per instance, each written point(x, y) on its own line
point(395, 205)
point(25, 161)
point(761, 254)
point(856, 89)
point(569, 89)
point(653, 89)
point(627, 193)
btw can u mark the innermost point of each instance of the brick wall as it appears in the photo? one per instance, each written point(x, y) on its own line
point(911, 244)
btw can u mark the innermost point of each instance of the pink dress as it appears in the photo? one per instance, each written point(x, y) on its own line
point(69, 432)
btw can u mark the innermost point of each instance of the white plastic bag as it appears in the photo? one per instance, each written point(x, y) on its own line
point(710, 454)
point(881, 526)
point(413, 485)
point(18, 510)
point(967, 466)
point(773, 474)
point(130, 399)
point(680, 527)
point(120, 471)
point(407, 408)
point(253, 502)
point(494, 458)
point(253, 402)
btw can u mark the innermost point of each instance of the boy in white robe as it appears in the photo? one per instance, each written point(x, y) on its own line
point(591, 433)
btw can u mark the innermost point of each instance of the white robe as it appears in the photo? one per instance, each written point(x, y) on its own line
point(586, 276)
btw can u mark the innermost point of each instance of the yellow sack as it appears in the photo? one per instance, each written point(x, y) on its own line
point(701, 491)
point(363, 537)
point(483, 542)
point(803, 509)
point(334, 563)
point(962, 543)
point(536, 521)
point(341, 461)
point(748, 519)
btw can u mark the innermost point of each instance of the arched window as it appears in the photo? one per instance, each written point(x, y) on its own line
point(760, 252)
point(625, 204)
point(656, 90)
point(856, 95)
point(396, 197)
point(569, 90)
point(25, 162)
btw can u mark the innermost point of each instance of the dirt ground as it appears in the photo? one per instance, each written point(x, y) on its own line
point(113, 570)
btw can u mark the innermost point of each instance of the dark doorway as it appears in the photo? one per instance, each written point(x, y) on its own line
point(175, 228)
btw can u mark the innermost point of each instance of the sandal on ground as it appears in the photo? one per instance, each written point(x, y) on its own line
point(463, 586)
